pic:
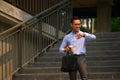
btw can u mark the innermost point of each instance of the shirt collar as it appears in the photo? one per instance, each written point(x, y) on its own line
point(75, 32)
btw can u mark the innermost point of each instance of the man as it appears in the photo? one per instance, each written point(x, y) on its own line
point(76, 41)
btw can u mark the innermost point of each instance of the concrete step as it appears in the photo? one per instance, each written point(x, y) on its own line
point(103, 58)
point(103, 43)
point(103, 53)
point(64, 76)
point(106, 45)
point(89, 58)
point(89, 63)
point(104, 39)
point(109, 39)
point(97, 45)
point(89, 53)
point(57, 69)
point(108, 34)
point(113, 47)
point(100, 47)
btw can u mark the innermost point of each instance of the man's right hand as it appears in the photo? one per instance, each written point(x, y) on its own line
point(69, 48)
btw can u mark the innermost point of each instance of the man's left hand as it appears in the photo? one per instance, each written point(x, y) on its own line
point(79, 35)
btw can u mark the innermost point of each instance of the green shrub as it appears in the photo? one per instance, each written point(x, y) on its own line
point(115, 24)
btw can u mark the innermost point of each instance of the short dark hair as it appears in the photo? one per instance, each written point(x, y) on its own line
point(74, 18)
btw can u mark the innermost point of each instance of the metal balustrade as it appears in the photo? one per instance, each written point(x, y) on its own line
point(22, 43)
point(33, 6)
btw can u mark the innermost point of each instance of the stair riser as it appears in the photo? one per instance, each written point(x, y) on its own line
point(96, 63)
point(66, 77)
point(103, 44)
point(102, 58)
point(92, 47)
point(105, 53)
point(57, 70)
point(107, 35)
point(107, 39)
point(88, 58)
point(103, 48)
point(89, 53)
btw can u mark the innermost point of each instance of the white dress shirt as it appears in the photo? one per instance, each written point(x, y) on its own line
point(79, 45)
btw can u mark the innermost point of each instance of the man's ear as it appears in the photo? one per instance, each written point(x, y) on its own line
point(71, 24)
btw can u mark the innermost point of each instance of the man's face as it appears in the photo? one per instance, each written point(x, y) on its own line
point(76, 24)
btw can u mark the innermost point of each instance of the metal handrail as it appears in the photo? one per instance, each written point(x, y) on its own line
point(22, 43)
point(35, 17)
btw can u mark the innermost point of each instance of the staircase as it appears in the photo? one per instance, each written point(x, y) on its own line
point(22, 43)
point(103, 59)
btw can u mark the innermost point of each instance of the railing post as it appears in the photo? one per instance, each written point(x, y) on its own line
point(2, 60)
point(20, 40)
point(57, 25)
point(44, 5)
point(40, 35)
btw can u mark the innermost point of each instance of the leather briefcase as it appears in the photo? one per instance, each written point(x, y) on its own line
point(69, 63)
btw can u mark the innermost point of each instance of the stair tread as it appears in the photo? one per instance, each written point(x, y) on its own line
point(66, 73)
point(87, 62)
point(46, 67)
point(86, 56)
point(89, 51)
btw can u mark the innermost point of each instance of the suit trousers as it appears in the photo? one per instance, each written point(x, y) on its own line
point(82, 68)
